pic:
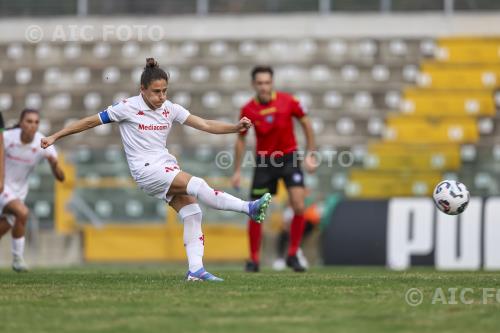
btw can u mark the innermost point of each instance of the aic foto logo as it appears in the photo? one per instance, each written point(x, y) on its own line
point(466, 241)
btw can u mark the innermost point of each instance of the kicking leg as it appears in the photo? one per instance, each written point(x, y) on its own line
point(184, 183)
point(194, 240)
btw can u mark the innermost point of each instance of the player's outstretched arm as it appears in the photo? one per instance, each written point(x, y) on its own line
point(217, 127)
point(76, 127)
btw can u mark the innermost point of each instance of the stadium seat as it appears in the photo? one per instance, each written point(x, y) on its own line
point(410, 73)
point(102, 50)
point(52, 75)
point(307, 47)
point(45, 126)
point(103, 208)
point(82, 75)
point(240, 98)
point(130, 49)
point(5, 101)
point(189, 49)
point(318, 125)
point(320, 73)
point(367, 48)
point(173, 73)
point(398, 47)
point(375, 126)
point(118, 97)
point(218, 48)
point(345, 126)
point(42, 208)
point(92, 101)
point(279, 47)
point(337, 48)
point(393, 99)
point(468, 153)
point(363, 100)
point(43, 51)
point(380, 73)
point(485, 126)
point(60, 101)
point(111, 75)
point(134, 208)
point(15, 51)
point(305, 98)
point(248, 48)
point(33, 101)
point(160, 50)
point(200, 74)
point(23, 75)
point(72, 51)
point(103, 130)
point(332, 99)
point(229, 73)
point(183, 98)
point(427, 47)
point(350, 73)
point(211, 100)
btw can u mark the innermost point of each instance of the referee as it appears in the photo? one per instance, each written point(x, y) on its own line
point(272, 113)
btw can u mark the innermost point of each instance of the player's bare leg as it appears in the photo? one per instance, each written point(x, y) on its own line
point(296, 196)
point(4, 226)
point(194, 240)
point(21, 213)
point(185, 183)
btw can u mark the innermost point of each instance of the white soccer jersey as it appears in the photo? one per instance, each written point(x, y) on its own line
point(144, 131)
point(21, 159)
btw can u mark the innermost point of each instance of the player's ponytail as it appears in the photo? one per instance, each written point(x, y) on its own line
point(152, 72)
point(21, 117)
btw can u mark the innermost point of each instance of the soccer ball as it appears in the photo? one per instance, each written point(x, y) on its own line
point(451, 197)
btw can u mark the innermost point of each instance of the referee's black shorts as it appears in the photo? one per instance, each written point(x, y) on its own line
point(269, 170)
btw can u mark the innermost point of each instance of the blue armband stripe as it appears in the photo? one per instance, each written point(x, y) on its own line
point(104, 117)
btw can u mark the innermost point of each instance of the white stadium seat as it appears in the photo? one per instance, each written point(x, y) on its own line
point(34, 181)
point(159, 50)
point(240, 98)
point(134, 208)
point(468, 153)
point(45, 125)
point(345, 126)
point(427, 47)
point(363, 100)
point(102, 50)
point(189, 49)
point(42, 209)
point(182, 98)
point(61, 101)
point(248, 48)
point(111, 75)
point(307, 47)
point(380, 73)
point(332, 99)
point(72, 51)
point(410, 73)
point(81, 75)
point(337, 48)
point(52, 75)
point(350, 73)
point(393, 99)
point(43, 51)
point(375, 126)
point(229, 73)
point(218, 48)
point(200, 74)
point(92, 101)
point(211, 100)
point(15, 51)
point(5, 101)
point(398, 47)
point(130, 50)
point(33, 101)
point(320, 73)
point(485, 126)
point(103, 208)
point(23, 75)
point(367, 48)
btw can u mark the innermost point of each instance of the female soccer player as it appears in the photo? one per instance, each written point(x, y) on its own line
point(145, 122)
point(22, 154)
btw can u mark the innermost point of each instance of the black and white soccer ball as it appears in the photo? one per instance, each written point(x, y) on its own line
point(451, 197)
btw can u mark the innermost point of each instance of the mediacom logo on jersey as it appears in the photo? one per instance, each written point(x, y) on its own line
point(152, 127)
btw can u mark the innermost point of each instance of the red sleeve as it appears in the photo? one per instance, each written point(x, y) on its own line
point(298, 110)
point(243, 113)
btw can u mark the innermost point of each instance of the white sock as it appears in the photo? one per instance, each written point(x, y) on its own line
point(199, 188)
point(194, 240)
point(18, 246)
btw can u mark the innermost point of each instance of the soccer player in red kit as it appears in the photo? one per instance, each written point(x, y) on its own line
point(272, 114)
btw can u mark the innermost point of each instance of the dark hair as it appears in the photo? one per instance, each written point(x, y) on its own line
point(261, 69)
point(24, 113)
point(152, 72)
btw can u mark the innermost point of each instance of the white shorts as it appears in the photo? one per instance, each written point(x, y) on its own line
point(5, 198)
point(155, 179)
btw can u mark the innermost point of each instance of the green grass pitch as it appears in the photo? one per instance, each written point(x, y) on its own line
point(153, 298)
